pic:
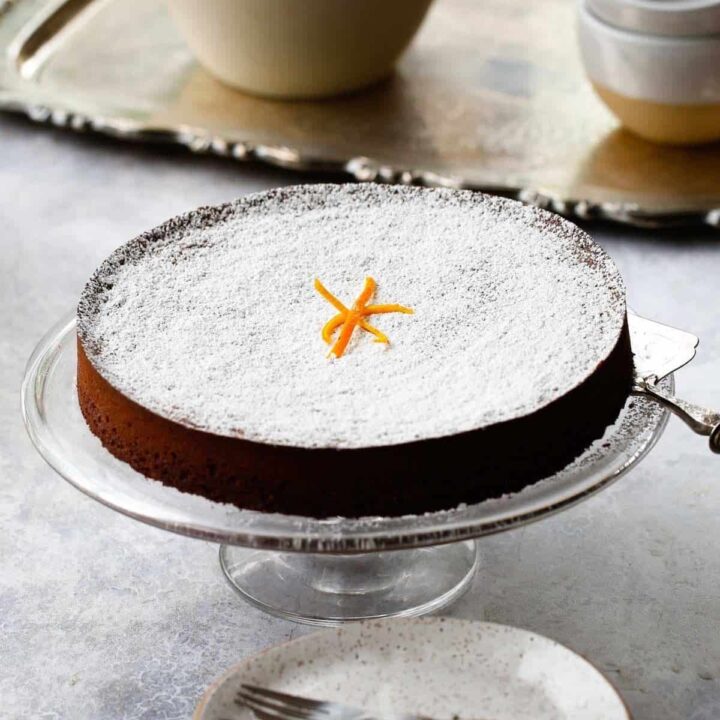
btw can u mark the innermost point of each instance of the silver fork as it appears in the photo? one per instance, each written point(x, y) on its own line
point(273, 705)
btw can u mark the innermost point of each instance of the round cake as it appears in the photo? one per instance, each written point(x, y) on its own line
point(354, 350)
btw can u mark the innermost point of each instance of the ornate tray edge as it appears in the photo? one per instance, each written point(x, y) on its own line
point(359, 168)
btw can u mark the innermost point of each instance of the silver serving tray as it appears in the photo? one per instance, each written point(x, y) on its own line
point(491, 96)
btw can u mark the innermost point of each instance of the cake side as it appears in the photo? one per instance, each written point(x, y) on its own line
point(414, 478)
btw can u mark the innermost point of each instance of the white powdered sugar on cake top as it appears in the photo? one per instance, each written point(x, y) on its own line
point(212, 320)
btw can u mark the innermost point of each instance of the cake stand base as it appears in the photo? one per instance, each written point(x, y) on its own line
point(335, 589)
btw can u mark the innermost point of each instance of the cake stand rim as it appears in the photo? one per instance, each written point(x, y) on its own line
point(302, 534)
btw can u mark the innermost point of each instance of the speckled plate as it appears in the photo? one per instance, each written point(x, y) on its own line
point(437, 667)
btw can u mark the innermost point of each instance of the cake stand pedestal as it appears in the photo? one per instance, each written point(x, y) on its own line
point(323, 572)
point(322, 589)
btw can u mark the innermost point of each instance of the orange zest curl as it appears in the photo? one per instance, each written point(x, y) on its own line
point(348, 319)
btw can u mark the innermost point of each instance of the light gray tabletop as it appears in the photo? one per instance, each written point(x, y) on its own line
point(102, 617)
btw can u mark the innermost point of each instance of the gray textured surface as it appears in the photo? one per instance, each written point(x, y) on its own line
point(101, 617)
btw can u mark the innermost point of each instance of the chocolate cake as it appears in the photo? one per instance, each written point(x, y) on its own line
point(203, 349)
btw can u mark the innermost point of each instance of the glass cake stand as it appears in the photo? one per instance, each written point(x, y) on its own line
point(322, 572)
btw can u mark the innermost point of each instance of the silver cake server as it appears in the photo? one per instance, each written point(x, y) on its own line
point(660, 350)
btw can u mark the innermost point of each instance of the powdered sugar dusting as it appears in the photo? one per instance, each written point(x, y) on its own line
point(212, 320)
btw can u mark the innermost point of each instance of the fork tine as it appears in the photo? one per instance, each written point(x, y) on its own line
point(246, 702)
point(294, 700)
point(258, 712)
point(281, 710)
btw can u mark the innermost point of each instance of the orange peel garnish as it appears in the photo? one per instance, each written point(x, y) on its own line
point(347, 319)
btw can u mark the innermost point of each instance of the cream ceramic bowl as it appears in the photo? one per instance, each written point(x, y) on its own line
point(298, 48)
point(658, 72)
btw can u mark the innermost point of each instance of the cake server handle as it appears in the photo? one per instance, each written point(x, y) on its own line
point(701, 420)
